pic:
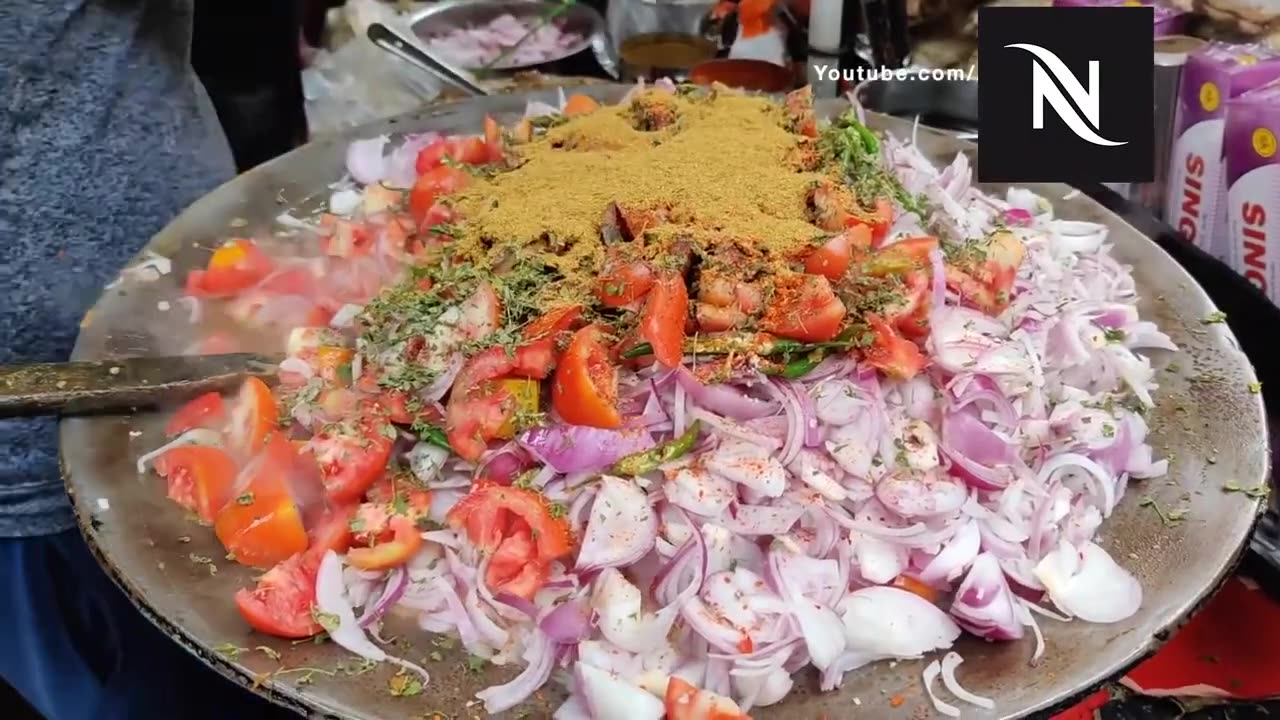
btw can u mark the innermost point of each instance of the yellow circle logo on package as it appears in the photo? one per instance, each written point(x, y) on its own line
point(1248, 59)
point(1264, 142)
point(1209, 96)
point(1132, 3)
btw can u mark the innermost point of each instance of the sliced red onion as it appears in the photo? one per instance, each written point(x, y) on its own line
point(365, 161)
point(795, 436)
point(540, 656)
point(1017, 217)
point(723, 399)
point(752, 520)
point(578, 448)
point(331, 599)
point(609, 697)
point(887, 622)
point(1102, 483)
point(621, 529)
point(392, 591)
point(921, 494)
point(569, 623)
point(691, 559)
point(955, 556)
point(1088, 584)
point(399, 168)
point(938, 283)
point(930, 674)
point(984, 605)
point(950, 662)
point(730, 428)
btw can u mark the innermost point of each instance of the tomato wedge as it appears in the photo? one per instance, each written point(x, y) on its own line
point(281, 604)
point(880, 220)
point(579, 105)
point(207, 411)
point(488, 509)
point(912, 317)
point(831, 259)
point(624, 284)
point(902, 257)
point(479, 407)
point(262, 525)
point(443, 180)
point(662, 322)
point(394, 553)
point(331, 532)
point(352, 458)
point(253, 417)
point(892, 354)
point(515, 567)
point(803, 308)
point(687, 702)
point(200, 478)
point(236, 265)
point(493, 145)
point(553, 323)
point(585, 389)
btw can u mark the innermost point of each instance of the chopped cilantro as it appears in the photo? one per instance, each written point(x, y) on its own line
point(1113, 335)
point(1255, 387)
point(1214, 318)
point(404, 684)
point(558, 510)
point(245, 499)
point(475, 663)
point(229, 650)
point(269, 652)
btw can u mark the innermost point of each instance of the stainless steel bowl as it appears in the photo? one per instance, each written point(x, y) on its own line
point(627, 18)
point(576, 18)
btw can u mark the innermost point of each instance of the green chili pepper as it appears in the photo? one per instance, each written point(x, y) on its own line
point(649, 460)
point(869, 140)
point(796, 367)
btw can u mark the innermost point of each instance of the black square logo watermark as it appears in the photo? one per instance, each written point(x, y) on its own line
point(1065, 94)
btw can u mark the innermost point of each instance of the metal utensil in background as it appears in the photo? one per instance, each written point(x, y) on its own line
point(391, 41)
point(627, 18)
point(950, 105)
point(576, 18)
point(123, 385)
point(1171, 53)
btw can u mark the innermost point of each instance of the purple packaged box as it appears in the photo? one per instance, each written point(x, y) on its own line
point(1253, 186)
point(1197, 186)
point(1168, 21)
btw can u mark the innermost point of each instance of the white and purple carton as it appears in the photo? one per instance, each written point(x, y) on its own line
point(1168, 20)
point(1196, 196)
point(1253, 186)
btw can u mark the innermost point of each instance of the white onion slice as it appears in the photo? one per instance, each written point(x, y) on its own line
point(931, 672)
point(1088, 584)
point(950, 662)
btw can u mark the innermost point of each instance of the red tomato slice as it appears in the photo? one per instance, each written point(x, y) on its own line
point(528, 580)
point(207, 411)
point(585, 390)
point(625, 284)
point(332, 532)
point(352, 459)
point(262, 526)
point(902, 257)
point(493, 143)
point(662, 322)
point(831, 260)
point(443, 180)
point(580, 105)
point(471, 151)
point(421, 201)
point(236, 265)
point(803, 308)
point(488, 502)
point(387, 555)
point(433, 155)
point(880, 220)
point(912, 318)
point(553, 323)
point(892, 354)
point(253, 418)
point(281, 604)
point(686, 702)
point(200, 478)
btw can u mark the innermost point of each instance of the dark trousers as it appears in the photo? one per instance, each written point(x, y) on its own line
point(75, 648)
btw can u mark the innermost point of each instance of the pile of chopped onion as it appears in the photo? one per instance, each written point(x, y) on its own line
point(776, 545)
point(480, 45)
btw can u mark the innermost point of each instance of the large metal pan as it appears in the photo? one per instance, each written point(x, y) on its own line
point(1207, 421)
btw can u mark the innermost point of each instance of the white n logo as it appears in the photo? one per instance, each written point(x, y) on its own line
point(1044, 88)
